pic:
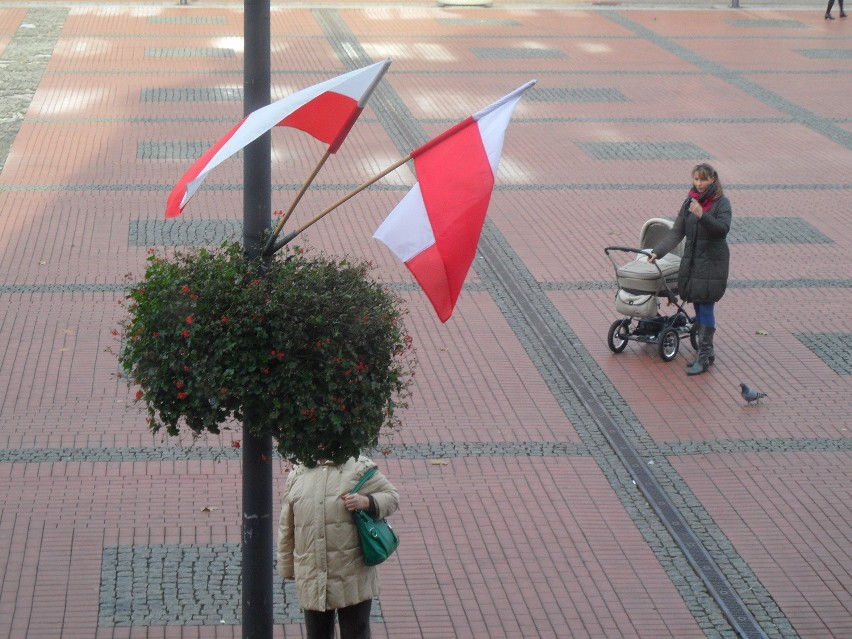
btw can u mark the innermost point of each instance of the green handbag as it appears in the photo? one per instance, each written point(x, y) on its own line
point(378, 538)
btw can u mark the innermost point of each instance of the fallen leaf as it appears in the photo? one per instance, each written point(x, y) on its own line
point(439, 462)
point(208, 509)
point(761, 332)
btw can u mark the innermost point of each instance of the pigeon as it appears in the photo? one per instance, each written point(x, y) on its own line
point(751, 395)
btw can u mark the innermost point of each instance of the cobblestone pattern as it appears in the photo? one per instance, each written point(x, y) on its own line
point(148, 150)
point(827, 54)
point(197, 94)
point(586, 94)
point(775, 230)
point(23, 62)
point(644, 151)
point(758, 23)
point(835, 349)
point(187, 20)
point(508, 53)
point(437, 450)
point(478, 22)
point(769, 230)
point(189, 52)
point(186, 584)
point(183, 232)
point(442, 450)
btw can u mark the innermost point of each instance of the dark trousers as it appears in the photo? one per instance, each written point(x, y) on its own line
point(354, 622)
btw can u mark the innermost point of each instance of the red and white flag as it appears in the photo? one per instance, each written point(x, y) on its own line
point(326, 111)
point(436, 227)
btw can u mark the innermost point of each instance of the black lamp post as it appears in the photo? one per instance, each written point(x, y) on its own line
point(257, 451)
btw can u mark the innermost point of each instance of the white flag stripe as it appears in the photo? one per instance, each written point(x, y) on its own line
point(407, 231)
point(356, 84)
point(492, 129)
point(514, 95)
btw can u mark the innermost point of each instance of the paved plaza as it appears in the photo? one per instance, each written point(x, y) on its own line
point(549, 487)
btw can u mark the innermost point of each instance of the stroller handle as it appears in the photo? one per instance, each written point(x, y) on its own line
point(627, 249)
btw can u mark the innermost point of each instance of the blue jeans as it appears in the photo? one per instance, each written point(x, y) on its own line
point(704, 315)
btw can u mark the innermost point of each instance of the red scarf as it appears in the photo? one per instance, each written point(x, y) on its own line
point(704, 199)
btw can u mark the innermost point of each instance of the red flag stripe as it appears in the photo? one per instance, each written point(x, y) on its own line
point(435, 228)
point(326, 111)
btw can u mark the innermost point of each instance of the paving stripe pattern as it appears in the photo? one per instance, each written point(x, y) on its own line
point(587, 494)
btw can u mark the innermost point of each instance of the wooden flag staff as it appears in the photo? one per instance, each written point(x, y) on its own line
point(293, 234)
point(293, 205)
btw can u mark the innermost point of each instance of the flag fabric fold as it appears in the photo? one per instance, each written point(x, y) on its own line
point(326, 111)
point(435, 228)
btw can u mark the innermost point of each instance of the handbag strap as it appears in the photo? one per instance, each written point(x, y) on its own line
point(364, 479)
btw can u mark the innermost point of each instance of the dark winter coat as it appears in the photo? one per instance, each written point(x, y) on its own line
point(703, 274)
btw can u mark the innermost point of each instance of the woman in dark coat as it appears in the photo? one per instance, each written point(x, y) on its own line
point(704, 220)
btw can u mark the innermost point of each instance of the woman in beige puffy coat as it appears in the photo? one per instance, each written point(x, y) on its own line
point(318, 544)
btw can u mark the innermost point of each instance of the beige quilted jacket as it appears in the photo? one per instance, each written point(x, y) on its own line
point(317, 539)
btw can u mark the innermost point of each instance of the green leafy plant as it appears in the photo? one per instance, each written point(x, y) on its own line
point(311, 347)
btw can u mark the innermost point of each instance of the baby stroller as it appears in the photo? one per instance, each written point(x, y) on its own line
point(640, 287)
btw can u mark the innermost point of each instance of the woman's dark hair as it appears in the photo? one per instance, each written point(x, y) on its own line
point(707, 172)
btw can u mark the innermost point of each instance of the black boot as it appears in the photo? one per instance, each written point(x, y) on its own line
point(705, 348)
point(699, 337)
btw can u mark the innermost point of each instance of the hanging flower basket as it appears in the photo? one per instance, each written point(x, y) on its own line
point(311, 347)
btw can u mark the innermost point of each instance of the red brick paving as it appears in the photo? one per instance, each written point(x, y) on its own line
point(539, 546)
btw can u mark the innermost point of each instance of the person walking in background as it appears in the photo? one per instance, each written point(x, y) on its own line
point(319, 547)
point(828, 15)
point(704, 220)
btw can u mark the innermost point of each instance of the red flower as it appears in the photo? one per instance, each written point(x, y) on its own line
point(138, 394)
point(179, 384)
point(184, 333)
point(223, 391)
point(189, 319)
point(225, 319)
point(114, 332)
point(184, 288)
point(155, 334)
point(265, 371)
point(181, 395)
point(235, 444)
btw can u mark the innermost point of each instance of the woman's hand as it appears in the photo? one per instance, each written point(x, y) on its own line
point(695, 208)
point(355, 502)
point(652, 258)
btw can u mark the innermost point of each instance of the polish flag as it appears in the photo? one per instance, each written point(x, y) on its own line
point(326, 111)
point(436, 227)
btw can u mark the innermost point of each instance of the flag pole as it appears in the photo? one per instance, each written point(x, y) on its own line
point(295, 202)
point(293, 234)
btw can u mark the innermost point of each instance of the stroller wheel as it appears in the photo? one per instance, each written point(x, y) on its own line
point(693, 337)
point(668, 343)
point(617, 336)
